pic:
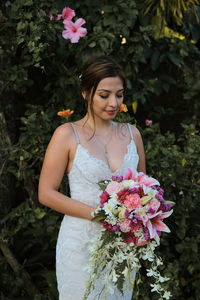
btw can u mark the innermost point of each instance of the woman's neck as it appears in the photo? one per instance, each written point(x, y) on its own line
point(96, 124)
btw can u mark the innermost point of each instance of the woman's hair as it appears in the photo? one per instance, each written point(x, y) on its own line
point(94, 71)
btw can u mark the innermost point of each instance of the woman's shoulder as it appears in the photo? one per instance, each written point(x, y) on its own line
point(132, 127)
point(64, 132)
point(135, 130)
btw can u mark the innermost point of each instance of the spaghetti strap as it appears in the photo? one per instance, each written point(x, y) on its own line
point(130, 131)
point(75, 133)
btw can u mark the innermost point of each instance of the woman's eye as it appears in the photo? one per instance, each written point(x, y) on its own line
point(120, 96)
point(103, 96)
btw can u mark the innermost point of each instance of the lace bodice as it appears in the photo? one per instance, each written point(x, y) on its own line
point(75, 233)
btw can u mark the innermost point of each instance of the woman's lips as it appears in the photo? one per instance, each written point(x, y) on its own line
point(110, 112)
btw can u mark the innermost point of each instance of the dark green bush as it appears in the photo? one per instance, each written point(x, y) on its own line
point(40, 75)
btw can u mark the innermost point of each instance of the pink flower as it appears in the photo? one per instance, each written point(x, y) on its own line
point(104, 198)
point(73, 30)
point(125, 225)
point(132, 201)
point(67, 14)
point(130, 174)
point(136, 227)
point(51, 15)
point(148, 122)
point(154, 204)
point(155, 224)
point(112, 187)
point(140, 242)
point(121, 195)
point(146, 180)
point(109, 227)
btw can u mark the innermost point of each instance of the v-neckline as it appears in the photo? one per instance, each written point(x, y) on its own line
point(101, 160)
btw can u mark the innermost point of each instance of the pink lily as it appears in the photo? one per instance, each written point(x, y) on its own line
point(67, 14)
point(130, 174)
point(155, 224)
point(146, 180)
point(73, 30)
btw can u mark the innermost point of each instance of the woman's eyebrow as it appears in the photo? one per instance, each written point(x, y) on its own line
point(104, 90)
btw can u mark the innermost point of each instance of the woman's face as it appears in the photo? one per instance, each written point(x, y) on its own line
point(108, 97)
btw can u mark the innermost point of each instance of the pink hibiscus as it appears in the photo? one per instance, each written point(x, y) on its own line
point(132, 201)
point(73, 30)
point(67, 14)
point(155, 224)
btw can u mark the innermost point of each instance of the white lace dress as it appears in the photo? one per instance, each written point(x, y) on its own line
point(74, 234)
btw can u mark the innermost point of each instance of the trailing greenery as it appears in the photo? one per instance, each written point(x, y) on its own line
point(40, 76)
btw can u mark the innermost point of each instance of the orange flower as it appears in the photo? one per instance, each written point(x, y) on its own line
point(65, 113)
point(123, 108)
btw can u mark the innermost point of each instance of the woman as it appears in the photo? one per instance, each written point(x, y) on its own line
point(89, 150)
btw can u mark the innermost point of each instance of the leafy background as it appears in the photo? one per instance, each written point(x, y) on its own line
point(157, 43)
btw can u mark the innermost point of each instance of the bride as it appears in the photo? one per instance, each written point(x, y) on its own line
point(89, 150)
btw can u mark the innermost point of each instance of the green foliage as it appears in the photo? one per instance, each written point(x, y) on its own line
point(40, 71)
point(175, 163)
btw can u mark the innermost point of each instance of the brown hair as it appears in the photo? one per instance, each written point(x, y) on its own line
point(94, 71)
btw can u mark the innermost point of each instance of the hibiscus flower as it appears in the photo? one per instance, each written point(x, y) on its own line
point(67, 14)
point(73, 31)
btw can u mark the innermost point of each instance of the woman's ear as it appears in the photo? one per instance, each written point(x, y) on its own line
point(84, 95)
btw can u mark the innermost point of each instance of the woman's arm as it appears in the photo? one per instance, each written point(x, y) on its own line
point(140, 149)
point(54, 166)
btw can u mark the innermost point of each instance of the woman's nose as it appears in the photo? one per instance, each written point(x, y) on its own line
point(113, 101)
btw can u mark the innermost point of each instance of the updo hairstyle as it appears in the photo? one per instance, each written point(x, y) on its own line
point(94, 71)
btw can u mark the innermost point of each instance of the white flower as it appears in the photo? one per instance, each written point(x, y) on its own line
point(148, 256)
point(125, 272)
point(128, 183)
point(151, 272)
point(167, 295)
point(159, 262)
point(114, 276)
point(155, 287)
point(108, 209)
point(149, 191)
point(163, 279)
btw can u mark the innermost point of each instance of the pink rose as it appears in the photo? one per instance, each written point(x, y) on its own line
point(125, 225)
point(112, 187)
point(132, 201)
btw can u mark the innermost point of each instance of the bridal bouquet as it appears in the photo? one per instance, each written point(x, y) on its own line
point(132, 208)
